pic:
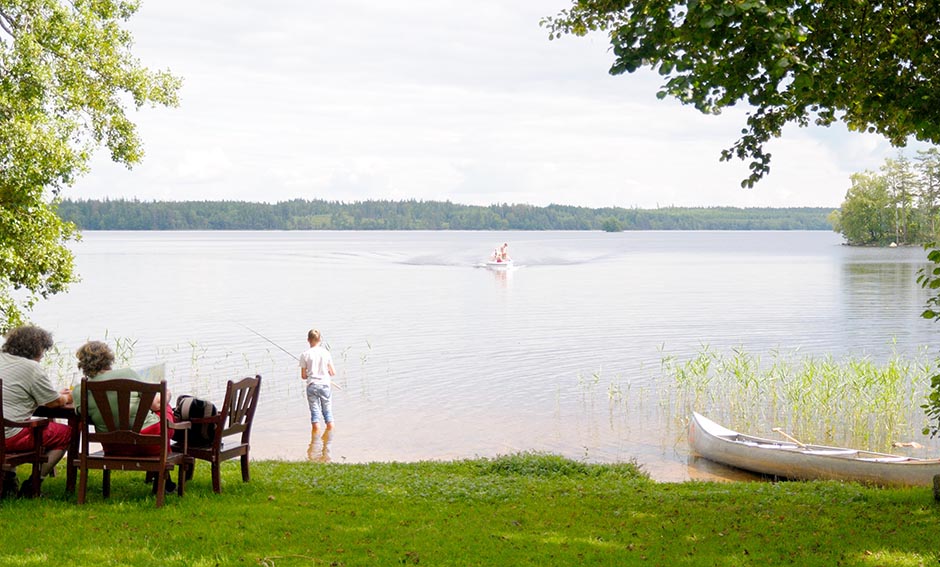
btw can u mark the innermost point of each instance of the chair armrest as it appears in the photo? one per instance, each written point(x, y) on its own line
point(34, 422)
point(217, 419)
point(182, 426)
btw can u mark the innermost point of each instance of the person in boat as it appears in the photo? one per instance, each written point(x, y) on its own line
point(316, 369)
point(26, 386)
point(504, 252)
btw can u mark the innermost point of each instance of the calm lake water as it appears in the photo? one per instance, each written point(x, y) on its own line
point(442, 358)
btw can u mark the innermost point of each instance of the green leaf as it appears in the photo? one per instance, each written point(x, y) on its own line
point(870, 68)
point(68, 76)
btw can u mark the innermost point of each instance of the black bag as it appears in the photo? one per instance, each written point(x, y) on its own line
point(188, 407)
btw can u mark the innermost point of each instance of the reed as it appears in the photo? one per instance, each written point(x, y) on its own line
point(61, 365)
point(191, 366)
point(819, 399)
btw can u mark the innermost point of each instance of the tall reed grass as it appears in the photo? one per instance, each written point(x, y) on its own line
point(190, 366)
point(820, 399)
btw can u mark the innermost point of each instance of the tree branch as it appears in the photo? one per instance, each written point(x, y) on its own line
point(5, 23)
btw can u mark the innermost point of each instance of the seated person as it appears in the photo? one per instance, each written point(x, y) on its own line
point(26, 387)
point(94, 360)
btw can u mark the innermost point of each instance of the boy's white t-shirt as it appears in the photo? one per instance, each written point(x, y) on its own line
point(317, 360)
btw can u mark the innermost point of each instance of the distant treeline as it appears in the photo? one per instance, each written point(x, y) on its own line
point(298, 214)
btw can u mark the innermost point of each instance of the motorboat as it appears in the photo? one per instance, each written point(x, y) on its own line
point(499, 264)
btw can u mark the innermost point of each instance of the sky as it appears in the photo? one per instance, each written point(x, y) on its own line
point(351, 100)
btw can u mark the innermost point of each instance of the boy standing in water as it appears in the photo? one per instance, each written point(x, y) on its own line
point(316, 369)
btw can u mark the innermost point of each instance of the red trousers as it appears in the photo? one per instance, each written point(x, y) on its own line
point(54, 436)
point(124, 450)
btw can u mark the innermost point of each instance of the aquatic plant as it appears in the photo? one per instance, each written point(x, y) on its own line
point(60, 365)
point(124, 348)
point(820, 399)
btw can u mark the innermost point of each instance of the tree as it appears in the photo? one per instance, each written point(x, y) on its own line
point(835, 219)
point(899, 204)
point(66, 77)
point(928, 166)
point(867, 215)
point(872, 65)
point(902, 186)
point(611, 224)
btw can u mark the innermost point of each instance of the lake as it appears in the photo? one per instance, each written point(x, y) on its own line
point(440, 357)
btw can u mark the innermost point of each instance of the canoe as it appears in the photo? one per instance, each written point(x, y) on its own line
point(498, 265)
point(792, 460)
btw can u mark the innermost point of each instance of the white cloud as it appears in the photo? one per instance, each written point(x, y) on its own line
point(200, 165)
point(435, 99)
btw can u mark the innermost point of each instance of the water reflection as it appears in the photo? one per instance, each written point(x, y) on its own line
point(871, 286)
point(503, 276)
point(319, 449)
point(882, 298)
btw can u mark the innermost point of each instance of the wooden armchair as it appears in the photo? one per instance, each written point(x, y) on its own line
point(114, 399)
point(235, 418)
point(35, 456)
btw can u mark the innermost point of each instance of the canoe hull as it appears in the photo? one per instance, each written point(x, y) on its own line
point(809, 462)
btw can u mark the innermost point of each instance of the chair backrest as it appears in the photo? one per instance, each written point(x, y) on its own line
point(36, 455)
point(238, 409)
point(124, 406)
point(3, 424)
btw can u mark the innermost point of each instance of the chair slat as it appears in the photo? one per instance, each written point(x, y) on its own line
point(115, 400)
point(236, 416)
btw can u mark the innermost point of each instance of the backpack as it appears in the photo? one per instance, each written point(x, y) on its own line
point(189, 407)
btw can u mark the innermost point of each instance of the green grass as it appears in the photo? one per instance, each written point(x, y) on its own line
point(525, 509)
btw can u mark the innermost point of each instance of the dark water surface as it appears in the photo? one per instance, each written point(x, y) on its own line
point(442, 358)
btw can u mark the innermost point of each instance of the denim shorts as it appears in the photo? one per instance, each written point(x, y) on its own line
point(320, 398)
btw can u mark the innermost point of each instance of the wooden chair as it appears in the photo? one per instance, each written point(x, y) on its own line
point(124, 427)
point(235, 417)
point(35, 456)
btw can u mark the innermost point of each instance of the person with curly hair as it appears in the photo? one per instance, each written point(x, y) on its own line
point(95, 359)
point(26, 386)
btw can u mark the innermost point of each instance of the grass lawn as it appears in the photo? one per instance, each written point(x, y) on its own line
point(525, 509)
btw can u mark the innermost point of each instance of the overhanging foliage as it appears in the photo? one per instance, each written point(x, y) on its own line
point(66, 77)
point(872, 65)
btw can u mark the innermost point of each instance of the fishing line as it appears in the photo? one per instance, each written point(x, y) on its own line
point(270, 341)
point(284, 350)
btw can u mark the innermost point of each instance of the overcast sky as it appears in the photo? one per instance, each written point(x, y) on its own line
point(470, 102)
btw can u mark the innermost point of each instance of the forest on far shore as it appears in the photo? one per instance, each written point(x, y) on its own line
point(299, 214)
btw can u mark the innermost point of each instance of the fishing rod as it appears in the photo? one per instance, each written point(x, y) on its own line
point(284, 350)
point(270, 341)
